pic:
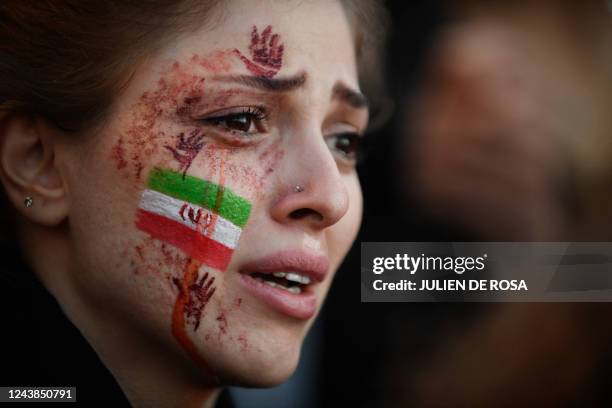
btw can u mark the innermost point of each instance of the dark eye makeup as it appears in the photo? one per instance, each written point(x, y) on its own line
point(245, 121)
point(247, 124)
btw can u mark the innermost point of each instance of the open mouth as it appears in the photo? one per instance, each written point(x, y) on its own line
point(286, 281)
point(290, 281)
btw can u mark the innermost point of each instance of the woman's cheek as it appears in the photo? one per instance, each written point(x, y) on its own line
point(193, 199)
point(203, 213)
point(188, 228)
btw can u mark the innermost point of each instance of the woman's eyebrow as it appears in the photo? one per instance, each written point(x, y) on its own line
point(266, 84)
point(354, 98)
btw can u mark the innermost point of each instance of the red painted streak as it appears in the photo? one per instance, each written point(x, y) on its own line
point(194, 244)
point(118, 153)
point(178, 314)
point(220, 191)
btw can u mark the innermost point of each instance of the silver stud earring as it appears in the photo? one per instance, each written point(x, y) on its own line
point(28, 202)
point(298, 189)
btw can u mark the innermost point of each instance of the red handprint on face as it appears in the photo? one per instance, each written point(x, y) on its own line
point(199, 293)
point(266, 53)
point(187, 149)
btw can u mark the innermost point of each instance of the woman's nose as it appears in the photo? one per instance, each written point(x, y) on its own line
point(312, 193)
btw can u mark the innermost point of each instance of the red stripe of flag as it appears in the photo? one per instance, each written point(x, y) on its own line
point(193, 243)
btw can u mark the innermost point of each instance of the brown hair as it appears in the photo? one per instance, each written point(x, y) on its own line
point(65, 61)
point(370, 22)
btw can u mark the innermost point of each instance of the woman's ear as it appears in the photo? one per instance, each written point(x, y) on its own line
point(28, 169)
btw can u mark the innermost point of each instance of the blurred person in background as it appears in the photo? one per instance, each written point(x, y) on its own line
point(512, 128)
point(511, 141)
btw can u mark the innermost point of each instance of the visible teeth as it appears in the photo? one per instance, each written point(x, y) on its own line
point(270, 283)
point(280, 274)
point(294, 277)
point(295, 289)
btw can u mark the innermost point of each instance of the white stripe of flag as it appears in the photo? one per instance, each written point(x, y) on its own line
point(224, 232)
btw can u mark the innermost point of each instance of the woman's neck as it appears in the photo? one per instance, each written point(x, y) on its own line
point(148, 374)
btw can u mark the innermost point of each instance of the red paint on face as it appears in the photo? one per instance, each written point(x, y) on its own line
point(273, 162)
point(118, 154)
point(194, 294)
point(187, 106)
point(166, 110)
point(177, 91)
point(184, 309)
point(182, 211)
point(270, 158)
point(200, 293)
point(170, 104)
point(253, 175)
point(138, 165)
point(244, 344)
point(149, 255)
point(134, 267)
point(266, 53)
point(187, 149)
point(271, 148)
point(169, 258)
point(139, 251)
point(222, 319)
point(266, 49)
point(216, 62)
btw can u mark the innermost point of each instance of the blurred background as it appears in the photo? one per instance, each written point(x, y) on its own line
point(498, 128)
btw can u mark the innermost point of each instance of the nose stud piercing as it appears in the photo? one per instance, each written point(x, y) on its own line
point(28, 202)
point(298, 189)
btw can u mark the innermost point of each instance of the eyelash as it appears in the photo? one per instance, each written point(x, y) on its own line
point(254, 115)
point(258, 116)
point(353, 155)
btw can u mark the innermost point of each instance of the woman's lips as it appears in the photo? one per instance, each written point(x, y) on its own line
point(301, 306)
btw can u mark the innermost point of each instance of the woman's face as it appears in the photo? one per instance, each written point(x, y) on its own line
point(223, 177)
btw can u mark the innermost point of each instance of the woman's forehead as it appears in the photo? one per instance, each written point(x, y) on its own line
point(302, 36)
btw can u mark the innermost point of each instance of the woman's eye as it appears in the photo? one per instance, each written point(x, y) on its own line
point(248, 121)
point(241, 122)
point(346, 145)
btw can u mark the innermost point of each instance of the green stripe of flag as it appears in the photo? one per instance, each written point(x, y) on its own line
point(201, 192)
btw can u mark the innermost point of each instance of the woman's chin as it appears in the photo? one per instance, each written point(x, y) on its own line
point(263, 365)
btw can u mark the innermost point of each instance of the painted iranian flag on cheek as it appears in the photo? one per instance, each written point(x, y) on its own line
point(200, 218)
